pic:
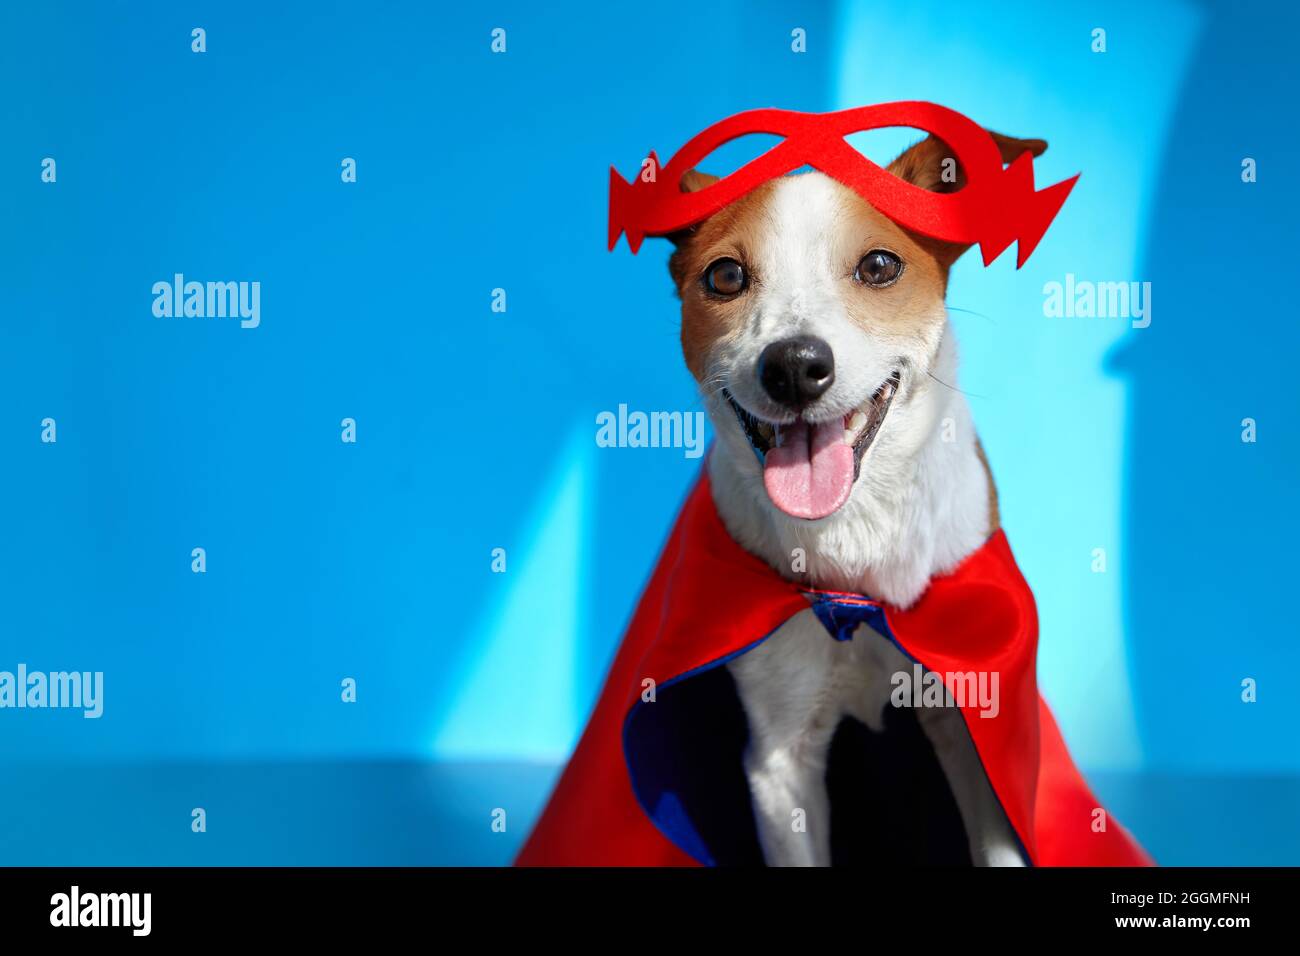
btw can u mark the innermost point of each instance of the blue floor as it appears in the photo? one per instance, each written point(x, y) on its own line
point(292, 814)
point(441, 814)
point(1208, 820)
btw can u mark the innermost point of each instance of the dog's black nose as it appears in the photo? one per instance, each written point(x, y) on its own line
point(797, 371)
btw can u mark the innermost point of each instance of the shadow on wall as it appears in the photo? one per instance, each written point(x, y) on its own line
point(1208, 583)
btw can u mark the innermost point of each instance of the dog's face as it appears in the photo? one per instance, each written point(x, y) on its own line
point(812, 323)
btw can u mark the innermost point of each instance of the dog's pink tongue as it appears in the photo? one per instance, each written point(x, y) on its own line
point(811, 474)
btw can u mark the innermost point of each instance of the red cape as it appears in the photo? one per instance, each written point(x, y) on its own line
point(660, 783)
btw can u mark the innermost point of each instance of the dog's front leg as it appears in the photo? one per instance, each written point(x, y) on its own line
point(782, 687)
point(788, 790)
point(991, 839)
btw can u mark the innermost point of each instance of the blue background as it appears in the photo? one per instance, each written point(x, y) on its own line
point(479, 171)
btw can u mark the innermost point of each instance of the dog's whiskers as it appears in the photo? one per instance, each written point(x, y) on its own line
point(986, 318)
point(959, 391)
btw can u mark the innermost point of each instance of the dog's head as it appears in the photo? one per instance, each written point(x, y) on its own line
point(813, 324)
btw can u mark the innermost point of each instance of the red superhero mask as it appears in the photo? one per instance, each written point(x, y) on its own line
point(996, 206)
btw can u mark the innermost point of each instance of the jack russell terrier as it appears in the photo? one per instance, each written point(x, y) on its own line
point(846, 493)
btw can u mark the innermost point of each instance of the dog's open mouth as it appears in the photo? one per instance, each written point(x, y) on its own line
point(809, 469)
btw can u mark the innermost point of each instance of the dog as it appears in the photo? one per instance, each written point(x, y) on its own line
point(818, 333)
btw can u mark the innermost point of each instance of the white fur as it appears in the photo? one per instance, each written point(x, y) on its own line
point(920, 506)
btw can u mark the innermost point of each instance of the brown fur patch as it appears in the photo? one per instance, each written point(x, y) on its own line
point(731, 233)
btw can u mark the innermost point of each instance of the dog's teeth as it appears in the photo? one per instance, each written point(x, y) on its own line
point(857, 421)
point(848, 437)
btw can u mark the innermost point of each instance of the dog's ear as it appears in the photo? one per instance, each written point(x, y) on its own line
point(931, 165)
point(692, 182)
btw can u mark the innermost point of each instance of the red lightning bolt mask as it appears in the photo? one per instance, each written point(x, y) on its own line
point(994, 208)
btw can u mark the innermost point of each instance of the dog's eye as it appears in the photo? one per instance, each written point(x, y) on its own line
point(726, 277)
point(879, 268)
